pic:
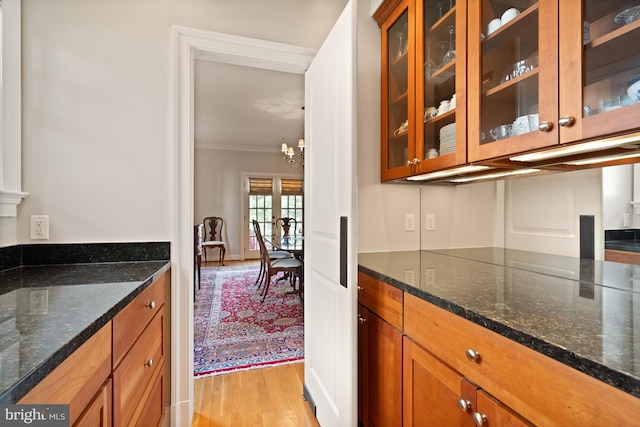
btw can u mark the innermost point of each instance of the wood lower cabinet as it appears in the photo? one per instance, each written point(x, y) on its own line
point(138, 375)
point(536, 387)
point(127, 389)
point(380, 353)
point(436, 395)
point(79, 379)
point(98, 413)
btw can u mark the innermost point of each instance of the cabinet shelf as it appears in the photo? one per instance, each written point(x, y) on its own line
point(402, 98)
point(441, 117)
point(510, 85)
point(444, 74)
point(528, 40)
point(441, 24)
point(615, 52)
point(400, 62)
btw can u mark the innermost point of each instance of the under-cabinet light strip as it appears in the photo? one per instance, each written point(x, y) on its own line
point(495, 175)
point(578, 148)
point(613, 157)
point(449, 172)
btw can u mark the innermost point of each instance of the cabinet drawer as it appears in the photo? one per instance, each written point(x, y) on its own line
point(133, 376)
point(153, 411)
point(99, 412)
point(381, 298)
point(79, 378)
point(541, 389)
point(131, 321)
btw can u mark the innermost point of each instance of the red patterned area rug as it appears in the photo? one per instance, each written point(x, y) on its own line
point(234, 331)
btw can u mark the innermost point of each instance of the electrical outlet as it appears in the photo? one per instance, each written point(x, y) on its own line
point(409, 222)
point(430, 222)
point(626, 220)
point(40, 227)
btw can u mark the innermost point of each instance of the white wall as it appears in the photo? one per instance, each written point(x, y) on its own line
point(617, 194)
point(96, 106)
point(218, 188)
point(465, 216)
point(542, 213)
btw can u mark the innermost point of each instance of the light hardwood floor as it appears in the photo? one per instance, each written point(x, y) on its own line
point(260, 397)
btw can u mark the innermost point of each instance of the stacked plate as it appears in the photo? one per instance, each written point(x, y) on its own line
point(448, 139)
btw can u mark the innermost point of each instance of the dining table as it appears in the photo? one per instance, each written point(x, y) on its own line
point(293, 244)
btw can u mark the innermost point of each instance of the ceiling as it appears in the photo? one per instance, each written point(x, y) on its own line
point(246, 108)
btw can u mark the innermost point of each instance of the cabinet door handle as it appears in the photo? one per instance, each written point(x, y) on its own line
point(479, 418)
point(361, 320)
point(545, 126)
point(567, 121)
point(360, 289)
point(149, 363)
point(413, 162)
point(464, 405)
point(473, 355)
point(151, 305)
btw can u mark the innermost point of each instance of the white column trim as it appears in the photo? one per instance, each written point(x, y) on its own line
point(11, 193)
point(187, 45)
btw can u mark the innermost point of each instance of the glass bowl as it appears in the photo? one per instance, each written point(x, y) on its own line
point(520, 68)
point(628, 16)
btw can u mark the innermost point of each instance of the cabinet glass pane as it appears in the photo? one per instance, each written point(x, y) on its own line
point(398, 92)
point(509, 61)
point(611, 39)
point(439, 79)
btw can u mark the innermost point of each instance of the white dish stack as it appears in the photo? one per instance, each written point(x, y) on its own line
point(448, 139)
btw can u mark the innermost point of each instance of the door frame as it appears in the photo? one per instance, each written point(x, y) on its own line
point(187, 45)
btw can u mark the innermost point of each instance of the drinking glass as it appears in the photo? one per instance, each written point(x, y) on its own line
point(430, 65)
point(451, 53)
point(442, 46)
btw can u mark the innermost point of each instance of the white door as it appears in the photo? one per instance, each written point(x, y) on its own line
point(330, 169)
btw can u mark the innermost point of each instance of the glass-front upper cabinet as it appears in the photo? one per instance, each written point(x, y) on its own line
point(599, 68)
point(513, 77)
point(441, 120)
point(398, 64)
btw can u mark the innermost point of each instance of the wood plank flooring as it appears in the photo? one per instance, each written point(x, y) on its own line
point(260, 397)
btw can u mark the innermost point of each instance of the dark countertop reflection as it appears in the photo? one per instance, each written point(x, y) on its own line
point(579, 312)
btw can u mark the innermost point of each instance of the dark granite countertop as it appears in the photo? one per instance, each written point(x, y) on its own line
point(577, 311)
point(48, 311)
point(622, 240)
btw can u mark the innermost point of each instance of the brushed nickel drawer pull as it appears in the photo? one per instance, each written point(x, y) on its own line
point(567, 121)
point(479, 418)
point(149, 363)
point(151, 305)
point(473, 356)
point(464, 405)
point(361, 320)
point(545, 126)
point(360, 288)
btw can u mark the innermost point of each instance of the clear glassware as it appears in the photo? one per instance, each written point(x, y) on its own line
point(443, 46)
point(430, 65)
point(400, 49)
point(451, 53)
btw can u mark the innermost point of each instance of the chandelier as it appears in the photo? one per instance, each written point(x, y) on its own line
point(294, 160)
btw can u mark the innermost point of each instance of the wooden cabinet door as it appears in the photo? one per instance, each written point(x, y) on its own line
point(99, 411)
point(398, 92)
point(513, 78)
point(380, 370)
point(599, 58)
point(497, 414)
point(441, 113)
point(431, 390)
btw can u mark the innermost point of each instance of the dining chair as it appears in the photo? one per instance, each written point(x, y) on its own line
point(198, 232)
point(273, 255)
point(213, 226)
point(285, 224)
point(292, 267)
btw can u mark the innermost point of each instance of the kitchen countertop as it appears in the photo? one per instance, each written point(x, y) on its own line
point(48, 311)
point(577, 311)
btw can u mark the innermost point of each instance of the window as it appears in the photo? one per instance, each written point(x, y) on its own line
point(260, 208)
point(292, 202)
point(271, 197)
